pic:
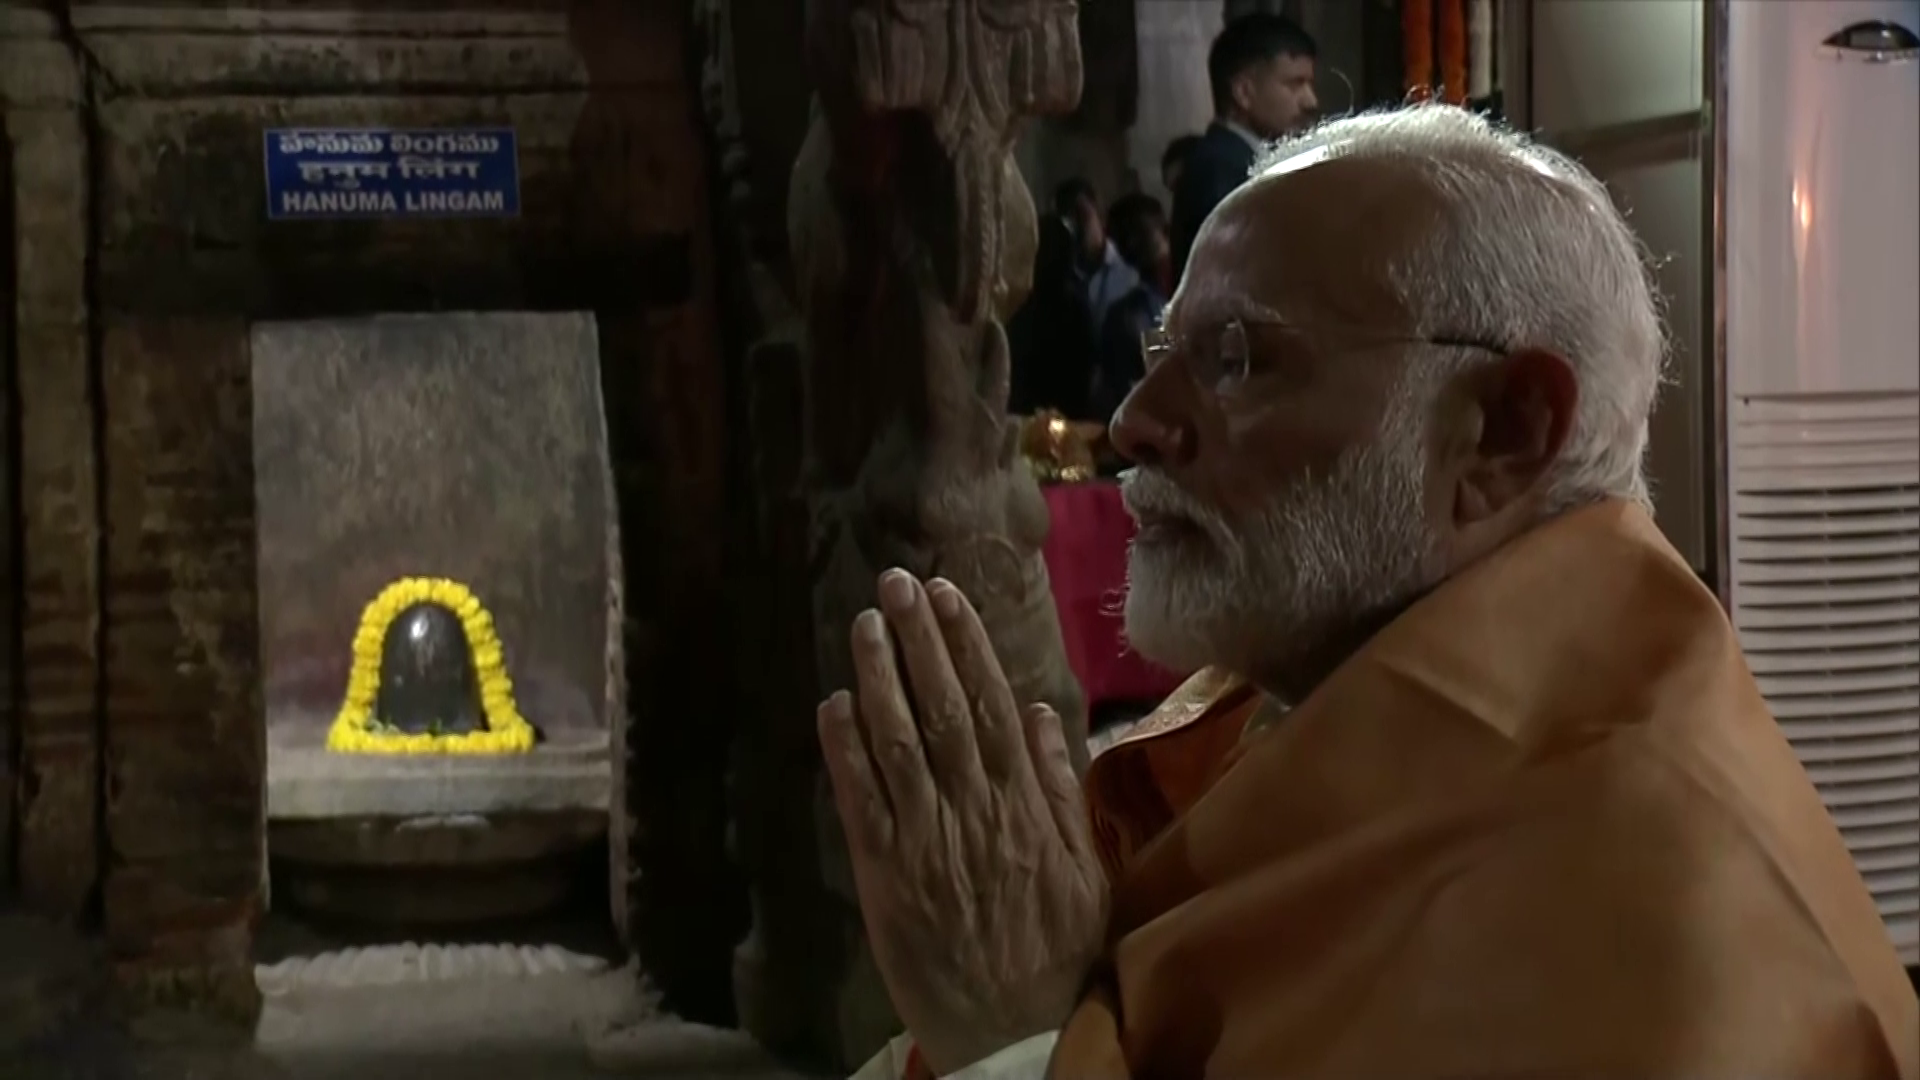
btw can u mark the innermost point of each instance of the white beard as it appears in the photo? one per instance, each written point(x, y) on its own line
point(1271, 594)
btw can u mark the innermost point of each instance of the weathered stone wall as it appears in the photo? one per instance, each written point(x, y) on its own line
point(58, 857)
point(156, 129)
point(9, 513)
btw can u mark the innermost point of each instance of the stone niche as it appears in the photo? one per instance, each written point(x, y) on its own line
point(139, 168)
point(462, 447)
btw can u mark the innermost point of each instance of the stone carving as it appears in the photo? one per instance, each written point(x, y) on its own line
point(972, 69)
point(912, 237)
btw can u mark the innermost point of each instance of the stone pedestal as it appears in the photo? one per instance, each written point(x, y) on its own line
point(424, 840)
point(312, 784)
point(439, 869)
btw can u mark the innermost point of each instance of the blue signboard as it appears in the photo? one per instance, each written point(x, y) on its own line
point(348, 173)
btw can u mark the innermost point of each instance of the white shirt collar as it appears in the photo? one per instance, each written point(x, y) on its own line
point(1252, 140)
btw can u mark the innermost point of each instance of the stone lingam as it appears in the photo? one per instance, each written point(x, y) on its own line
point(427, 681)
point(429, 676)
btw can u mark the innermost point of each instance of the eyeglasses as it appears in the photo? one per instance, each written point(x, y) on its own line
point(1223, 353)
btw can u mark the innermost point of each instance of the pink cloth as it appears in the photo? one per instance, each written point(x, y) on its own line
point(1086, 557)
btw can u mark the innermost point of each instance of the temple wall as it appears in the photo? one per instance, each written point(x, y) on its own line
point(144, 257)
point(55, 704)
point(9, 542)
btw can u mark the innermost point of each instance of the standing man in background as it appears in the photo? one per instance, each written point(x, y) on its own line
point(1262, 68)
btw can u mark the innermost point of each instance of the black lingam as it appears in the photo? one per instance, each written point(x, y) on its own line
point(427, 681)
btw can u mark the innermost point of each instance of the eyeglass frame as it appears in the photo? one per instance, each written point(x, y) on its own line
point(1158, 344)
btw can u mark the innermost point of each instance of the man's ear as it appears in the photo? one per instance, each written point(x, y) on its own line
point(1526, 404)
point(1243, 90)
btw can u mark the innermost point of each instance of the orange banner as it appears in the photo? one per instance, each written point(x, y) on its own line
point(1416, 47)
point(1453, 51)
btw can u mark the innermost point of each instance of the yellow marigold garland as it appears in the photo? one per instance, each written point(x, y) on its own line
point(354, 731)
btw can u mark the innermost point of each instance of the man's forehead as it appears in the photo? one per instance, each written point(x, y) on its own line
point(1317, 239)
point(1291, 64)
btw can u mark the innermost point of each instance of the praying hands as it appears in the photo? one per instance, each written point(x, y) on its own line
point(984, 899)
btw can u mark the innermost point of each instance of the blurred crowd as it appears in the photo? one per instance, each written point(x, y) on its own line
point(1102, 277)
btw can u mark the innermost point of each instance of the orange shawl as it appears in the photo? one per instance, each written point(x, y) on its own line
point(1543, 824)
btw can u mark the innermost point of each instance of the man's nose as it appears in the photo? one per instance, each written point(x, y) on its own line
point(1147, 429)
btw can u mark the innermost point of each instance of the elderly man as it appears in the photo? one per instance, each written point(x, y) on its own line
point(1492, 793)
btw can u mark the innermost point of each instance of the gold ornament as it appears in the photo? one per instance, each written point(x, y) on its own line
point(1058, 450)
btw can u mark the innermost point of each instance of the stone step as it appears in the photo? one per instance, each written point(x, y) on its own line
point(410, 963)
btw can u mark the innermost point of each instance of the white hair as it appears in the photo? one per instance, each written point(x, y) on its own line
point(1530, 252)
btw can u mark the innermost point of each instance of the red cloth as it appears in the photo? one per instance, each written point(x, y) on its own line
point(1086, 556)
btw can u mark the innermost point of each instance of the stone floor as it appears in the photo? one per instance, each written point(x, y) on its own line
point(341, 1007)
point(482, 1011)
point(406, 1012)
point(344, 1013)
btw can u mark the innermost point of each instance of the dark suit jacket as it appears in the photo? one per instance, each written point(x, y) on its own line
point(1215, 166)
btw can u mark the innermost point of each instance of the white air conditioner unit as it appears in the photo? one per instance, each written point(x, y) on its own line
point(1821, 224)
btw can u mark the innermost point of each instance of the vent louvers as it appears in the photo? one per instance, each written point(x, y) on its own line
point(1824, 517)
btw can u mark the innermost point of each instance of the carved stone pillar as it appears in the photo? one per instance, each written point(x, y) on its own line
point(912, 237)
